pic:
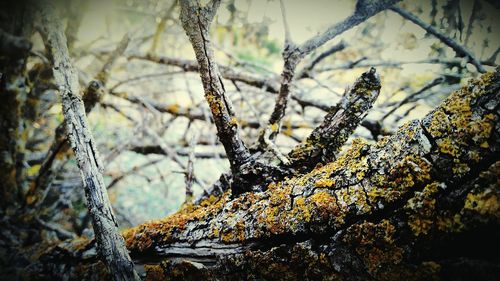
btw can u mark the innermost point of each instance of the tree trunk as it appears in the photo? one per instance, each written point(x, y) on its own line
point(422, 204)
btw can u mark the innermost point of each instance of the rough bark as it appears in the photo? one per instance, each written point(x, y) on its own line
point(93, 94)
point(325, 141)
point(110, 243)
point(196, 22)
point(377, 212)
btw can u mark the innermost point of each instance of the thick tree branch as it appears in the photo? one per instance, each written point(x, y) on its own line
point(374, 213)
point(452, 143)
point(110, 243)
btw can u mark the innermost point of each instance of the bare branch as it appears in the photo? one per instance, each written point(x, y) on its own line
point(459, 49)
point(13, 45)
point(363, 62)
point(267, 83)
point(292, 55)
point(196, 22)
point(110, 243)
point(305, 72)
point(364, 10)
point(473, 15)
point(411, 97)
point(93, 94)
point(288, 36)
point(189, 174)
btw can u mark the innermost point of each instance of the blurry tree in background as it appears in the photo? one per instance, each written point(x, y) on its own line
point(287, 88)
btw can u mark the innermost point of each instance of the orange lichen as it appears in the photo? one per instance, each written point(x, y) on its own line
point(236, 233)
point(173, 108)
point(485, 203)
point(301, 210)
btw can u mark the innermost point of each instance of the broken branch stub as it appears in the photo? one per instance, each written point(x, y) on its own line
point(325, 141)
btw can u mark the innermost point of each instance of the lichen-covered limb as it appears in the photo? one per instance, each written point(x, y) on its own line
point(326, 140)
point(110, 243)
point(414, 182)
point(459, 49)
point(196, 22)
point(293, 54)
point(372, 214)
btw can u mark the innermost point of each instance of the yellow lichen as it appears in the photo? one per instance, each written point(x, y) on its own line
point(173, 108)
point(485, 203)
point(324, 183)
point(274, 127)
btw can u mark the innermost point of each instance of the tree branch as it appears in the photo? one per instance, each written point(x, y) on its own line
point(110, 243)
point(93, 94)
point(374, 213)
point(325, 141)
point(459, 49)
point(196, 22)
point(293, 54)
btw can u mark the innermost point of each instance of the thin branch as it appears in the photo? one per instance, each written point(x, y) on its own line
point(306, 70)
point(92, 95)
point(292, 55)
point(493, 57)
point(459, 49)
point(189, 173)
point(397, 64)
point(230, 73)
point(13, 45)
point(412, 97)
point(475, 9)
point(288, 36)
point(135, 169)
